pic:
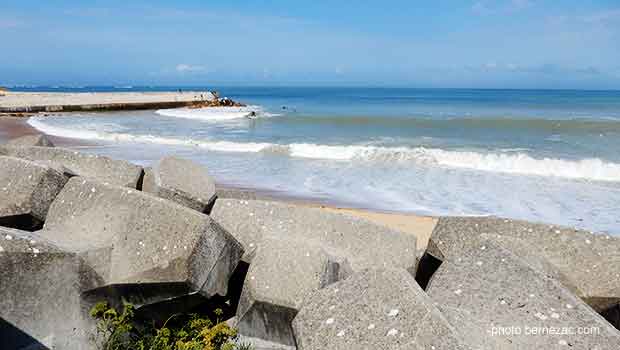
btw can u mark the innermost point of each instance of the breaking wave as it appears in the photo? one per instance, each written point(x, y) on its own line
point(213, 113)
point(503, 161)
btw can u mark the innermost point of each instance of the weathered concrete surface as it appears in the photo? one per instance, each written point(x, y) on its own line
point(235, 193)
point(181, 181)
point(26, 189)
point(373, 309)
point(585, 263)
point(40, 286)
point(488, 291)
point(281, 276)
point(31, 140)
point(90, 166)
point(362, 243)
point(100, 101)
point(261, 344)
point(131, 237)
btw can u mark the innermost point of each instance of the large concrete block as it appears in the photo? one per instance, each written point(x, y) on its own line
point(27, 190)
point(235, 193)
point(94, 167)
point(281, 276)
point(31, 140)
point(373, 309)
point(587, 264)
point(131, 237)
point(362, 243)
point(40, 286)
point(496, 301)
point(181, 181)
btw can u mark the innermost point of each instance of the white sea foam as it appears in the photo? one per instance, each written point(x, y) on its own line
point(503, 162)
point(214, 114)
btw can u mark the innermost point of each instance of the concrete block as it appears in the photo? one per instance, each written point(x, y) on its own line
point(181, 181)
point(364, 244)
point(40, 286)
point(128, 236)
point(93, 167)
point(496, 301)
point(281, 276)
point(373, 309)
point(27, 190)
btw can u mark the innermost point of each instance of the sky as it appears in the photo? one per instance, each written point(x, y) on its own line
point(559, 44)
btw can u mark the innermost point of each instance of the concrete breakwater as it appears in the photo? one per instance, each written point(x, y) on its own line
point(79, 228)
point(36, 102)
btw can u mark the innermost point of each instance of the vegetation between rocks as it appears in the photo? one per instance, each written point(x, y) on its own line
point(118, 331)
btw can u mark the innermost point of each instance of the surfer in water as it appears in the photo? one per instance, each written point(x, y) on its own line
point(251, 115)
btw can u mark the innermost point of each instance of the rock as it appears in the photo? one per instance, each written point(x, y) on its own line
point(27, 190)
point(585, 263)
point(93, 167)
point(31, 140)
point(131, 237)
point(281, 275)
point(495, 301)
point(373, 309)
point(362, 243)
point(181, 181)
point(40, 286)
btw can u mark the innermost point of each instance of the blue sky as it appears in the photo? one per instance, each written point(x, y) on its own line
point(459, 43)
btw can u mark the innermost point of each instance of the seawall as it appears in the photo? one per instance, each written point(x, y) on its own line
point(28, 102)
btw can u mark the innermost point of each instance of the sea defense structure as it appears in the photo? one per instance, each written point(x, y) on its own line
point(181, 181)
point(78, 228)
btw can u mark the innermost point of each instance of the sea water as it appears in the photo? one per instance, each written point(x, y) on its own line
point(541, 155)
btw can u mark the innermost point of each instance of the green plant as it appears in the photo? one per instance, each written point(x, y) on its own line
point(117, 331)
point(245, 346)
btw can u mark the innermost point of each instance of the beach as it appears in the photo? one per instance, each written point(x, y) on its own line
point(13, 127)
point(310, 175)
point(188, 234)
point(420, 226)
point(426, 152)
point(523, 154)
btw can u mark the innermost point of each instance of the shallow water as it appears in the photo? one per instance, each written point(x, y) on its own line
point(550, 156)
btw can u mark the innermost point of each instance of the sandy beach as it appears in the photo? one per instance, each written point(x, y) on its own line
point(420, 226)
point(13, 127)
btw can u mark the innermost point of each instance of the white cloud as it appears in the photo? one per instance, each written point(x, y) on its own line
point(490, 65)
point(188, 68)
point(480, 8)
point(603, 16)
point(266, 73)
point(520, 4)
point(8, 23)
point(484, 8)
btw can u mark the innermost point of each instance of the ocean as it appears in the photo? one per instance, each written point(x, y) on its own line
point(550, 156)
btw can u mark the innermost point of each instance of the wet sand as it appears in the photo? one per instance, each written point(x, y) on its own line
point(13, 127)
point(420, 226)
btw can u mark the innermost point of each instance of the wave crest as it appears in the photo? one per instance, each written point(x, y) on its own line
point(501, 162)
point(213, 114)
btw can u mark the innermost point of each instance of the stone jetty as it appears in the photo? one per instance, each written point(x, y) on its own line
point(37, 102)
point(76, 229)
